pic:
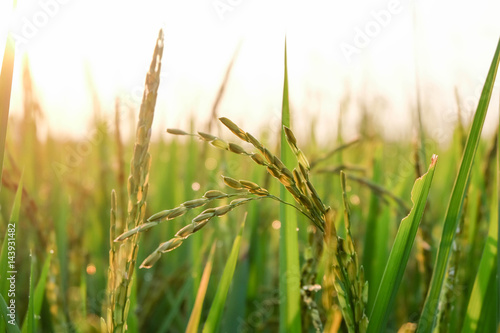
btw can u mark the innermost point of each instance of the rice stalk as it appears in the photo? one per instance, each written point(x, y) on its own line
point(123, 257)
point(352, 289)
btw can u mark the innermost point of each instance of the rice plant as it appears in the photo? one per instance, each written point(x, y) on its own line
point(246, 232)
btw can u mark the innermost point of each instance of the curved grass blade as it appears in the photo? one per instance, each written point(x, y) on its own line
point(484, 278)
point(497, 202)
point(398, 258)
point(40, 286)
point(194, 319)
point(429, 312)
point(215, 315)
point(175, 307)
point(290, 320)
point(29, 321)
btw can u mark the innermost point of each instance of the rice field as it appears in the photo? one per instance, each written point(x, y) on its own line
point(216, 229)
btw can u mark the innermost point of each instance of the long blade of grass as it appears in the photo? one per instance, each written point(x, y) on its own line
point(214, 316)
point(497, 280)
point(375, 254)
point(12, 326)
point(429, 312)
point(29, 321)
point(6, 74)
point(40, 286)
point(175, 308)
point(289, 286)
point(398, 258)
point(485, 276)
point(194, 319)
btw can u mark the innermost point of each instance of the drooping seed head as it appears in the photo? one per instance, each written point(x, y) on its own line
point(234, 128)
point(221, 144)
point(318, 204)
point(200, 225)
point(306, 201)
point(160, 215)
point(293, 190)
point(303, 171)
point(176, 212)
point(257, 158)
point(214, 194)
point(278, 163)
point(175, 131)
point(203, 216)
point(249, 185)
point(296, 176)
point(219, 211)
point(269, 156)
point(238, 202)
point(254, 141)
point(185, 231)
point(151, 260)
point(146, 226)
point(351, 270)
point(262, 192)
point(273, 171)
point(170, 245)
point(287, 173)
point(236, 149)
point(208, 210)
point(194, 203)
point(127, 234)
point(290, 136)
point(286, 181)
point(233, 183)
point(206, 136)
point(301, 158)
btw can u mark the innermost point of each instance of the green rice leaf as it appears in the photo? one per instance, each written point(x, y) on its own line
point(398, 258)
point(429, 312)
point(214, 316)
point(485, 277)
point(29, 321)
point(290, 319)
point(40, 286)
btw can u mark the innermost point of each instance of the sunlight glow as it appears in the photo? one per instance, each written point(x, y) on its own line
point(363, 49)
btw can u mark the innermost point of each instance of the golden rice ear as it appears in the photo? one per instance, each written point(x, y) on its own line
point(233, 183)
point(290, 137)
point(234, 128)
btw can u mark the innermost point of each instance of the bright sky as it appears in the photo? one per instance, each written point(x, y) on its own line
point(365, 48)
